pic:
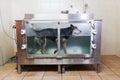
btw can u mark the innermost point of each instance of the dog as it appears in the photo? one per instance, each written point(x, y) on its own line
point(51, 34)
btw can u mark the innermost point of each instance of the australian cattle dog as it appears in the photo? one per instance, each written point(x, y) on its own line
point(51, 34)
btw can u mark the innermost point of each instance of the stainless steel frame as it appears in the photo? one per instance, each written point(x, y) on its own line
point(60, 59)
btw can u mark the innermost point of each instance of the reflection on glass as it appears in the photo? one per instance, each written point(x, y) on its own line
point(42, 38)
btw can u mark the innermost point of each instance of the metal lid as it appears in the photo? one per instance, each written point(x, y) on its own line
point(81, 16)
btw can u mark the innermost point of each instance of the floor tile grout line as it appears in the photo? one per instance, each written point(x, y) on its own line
point(80, 76)
point(112, 70)
point(24, 75)
point(43, 75)
point(7, 74)
point(99, 75)
point(61, 76)
point(28, 72)
point(68, 75)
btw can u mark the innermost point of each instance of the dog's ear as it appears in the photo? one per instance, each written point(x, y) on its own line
point(71, 25)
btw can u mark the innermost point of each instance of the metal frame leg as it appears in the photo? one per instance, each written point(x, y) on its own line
point(59, 68)
point(19, 68)
point(63, 69)
point(98, 68)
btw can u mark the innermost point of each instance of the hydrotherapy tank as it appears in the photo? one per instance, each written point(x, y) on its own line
point(56, 47)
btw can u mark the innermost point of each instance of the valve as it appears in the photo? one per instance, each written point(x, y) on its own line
point(24, 46)
point(92, 22)
point(23, 31)
point(94, 31)
point(94, 46)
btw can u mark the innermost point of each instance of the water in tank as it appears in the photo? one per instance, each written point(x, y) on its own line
point(45, 37)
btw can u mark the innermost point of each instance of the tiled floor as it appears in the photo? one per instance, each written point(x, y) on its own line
point(110, 70)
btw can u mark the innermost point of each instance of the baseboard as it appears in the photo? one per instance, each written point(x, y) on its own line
point(108, 54)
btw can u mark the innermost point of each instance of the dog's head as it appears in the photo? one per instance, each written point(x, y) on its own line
point(75, 29)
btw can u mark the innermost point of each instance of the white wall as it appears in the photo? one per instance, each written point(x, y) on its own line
point(118, 30)
point(20, 7)
point(104, 9)
point(108, 10)
point(118, 40)
point(6, 44)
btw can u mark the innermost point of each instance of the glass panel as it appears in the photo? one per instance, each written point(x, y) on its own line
point(75, 38)
point(41, 38)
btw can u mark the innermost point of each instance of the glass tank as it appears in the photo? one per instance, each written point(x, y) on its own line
point(49, 38)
